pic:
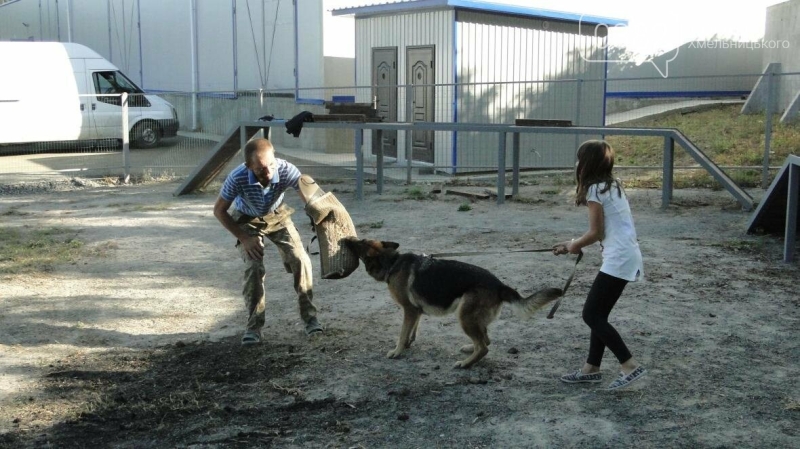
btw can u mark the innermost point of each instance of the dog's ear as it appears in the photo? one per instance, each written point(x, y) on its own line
point(390, 245)
point(351, 242)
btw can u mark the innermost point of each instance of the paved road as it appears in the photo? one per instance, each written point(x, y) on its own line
point(621, 117)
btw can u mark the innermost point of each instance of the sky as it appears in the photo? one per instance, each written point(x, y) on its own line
point(653, 27)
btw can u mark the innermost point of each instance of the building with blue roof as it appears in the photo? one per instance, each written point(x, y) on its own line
point(467, 61)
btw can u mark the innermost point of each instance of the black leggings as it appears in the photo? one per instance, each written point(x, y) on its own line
point(604, 293)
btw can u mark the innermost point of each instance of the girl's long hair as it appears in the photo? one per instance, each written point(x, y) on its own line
point(595, 163)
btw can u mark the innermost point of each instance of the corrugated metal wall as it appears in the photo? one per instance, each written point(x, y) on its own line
point(402, 31)
point(525, 68)
point(160, 59)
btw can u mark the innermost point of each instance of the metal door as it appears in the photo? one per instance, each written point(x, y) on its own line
point(421, 72)
point(384, 82)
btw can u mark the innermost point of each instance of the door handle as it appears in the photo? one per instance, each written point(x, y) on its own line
point(94, 106)
point(83, 107)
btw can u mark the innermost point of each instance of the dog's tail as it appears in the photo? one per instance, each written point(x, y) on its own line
point(526, 307)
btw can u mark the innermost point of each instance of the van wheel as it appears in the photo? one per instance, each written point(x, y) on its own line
point(145, 135)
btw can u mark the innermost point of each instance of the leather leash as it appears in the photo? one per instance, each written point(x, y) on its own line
point(566, 286)
point(542, 250)
point(477, 253)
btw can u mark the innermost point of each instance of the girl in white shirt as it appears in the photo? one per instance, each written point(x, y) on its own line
point(610, 223)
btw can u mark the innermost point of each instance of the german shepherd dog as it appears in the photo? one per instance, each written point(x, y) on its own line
point(424, 285)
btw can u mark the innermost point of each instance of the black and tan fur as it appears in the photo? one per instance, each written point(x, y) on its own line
point(424, 285)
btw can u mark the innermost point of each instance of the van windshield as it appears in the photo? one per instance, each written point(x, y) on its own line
point(115, 83)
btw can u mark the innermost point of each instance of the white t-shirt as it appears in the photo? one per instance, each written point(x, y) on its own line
point(621, 255)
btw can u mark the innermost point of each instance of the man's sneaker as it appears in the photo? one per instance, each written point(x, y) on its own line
point(313, 326)
point(578, 377)
point(625, 380)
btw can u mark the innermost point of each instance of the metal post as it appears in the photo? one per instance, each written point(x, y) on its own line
point(515, 156)
point(579, 89)
point(69, 21)
point(767, 129)
point(359, 164)
point(792, 197)
point(669, 162)
point(501, 168)
point(242, 138)
point(193, 60)
point(409, 133)
point(126, 144)
point(379, 168)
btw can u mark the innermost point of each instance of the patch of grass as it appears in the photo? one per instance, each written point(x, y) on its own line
point(526, 200)
point(103, 249)
point(373, 225)
point(144, 207)
point(465, 207)
point(738, 245)
point(147, 176)
point(560, 180)
point(14, 211)
point(726, 136)
point(416, 193)
point(550, 192)
point(25, 250)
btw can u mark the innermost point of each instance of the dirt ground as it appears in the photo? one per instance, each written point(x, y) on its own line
point(136, 344)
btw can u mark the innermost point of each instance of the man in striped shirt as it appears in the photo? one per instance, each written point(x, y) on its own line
point(255, 189)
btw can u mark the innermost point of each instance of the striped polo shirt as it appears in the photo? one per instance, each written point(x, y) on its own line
point(250, 197)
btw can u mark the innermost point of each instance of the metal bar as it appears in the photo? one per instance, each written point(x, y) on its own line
point(515, 156)
point(669, 162)
point(379, 161)
point(481, 127)
point(359, 165)
point(579, 89)
point(409, 132)
point(242, 138)
point(792, 197)
point(195, 69)
point(741, 196)
point(501, 168)
point(126, 144)
point(767, 129)
point(234, 35)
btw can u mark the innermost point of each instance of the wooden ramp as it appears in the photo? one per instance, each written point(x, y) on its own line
point(218, 157)
point(729, 184)
point(777, 213)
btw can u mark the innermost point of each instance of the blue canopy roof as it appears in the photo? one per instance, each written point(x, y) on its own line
point(417, 5)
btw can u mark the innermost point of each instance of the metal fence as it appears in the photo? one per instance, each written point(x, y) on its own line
point(206, 117)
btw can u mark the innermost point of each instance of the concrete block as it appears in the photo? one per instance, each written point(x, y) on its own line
point(792, 110)
point(757, 101)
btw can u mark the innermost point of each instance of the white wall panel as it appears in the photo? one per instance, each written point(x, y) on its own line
point(166, 45)
point(160, 59)
point(311, 70)
point(523, 68)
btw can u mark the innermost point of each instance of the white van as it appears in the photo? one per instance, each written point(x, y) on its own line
point(52, 91)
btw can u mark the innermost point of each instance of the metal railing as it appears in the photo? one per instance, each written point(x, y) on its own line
point(328, 152)
point(214, 161)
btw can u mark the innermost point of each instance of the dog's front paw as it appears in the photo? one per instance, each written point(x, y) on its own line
point(394, 353)
point(460, 365)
